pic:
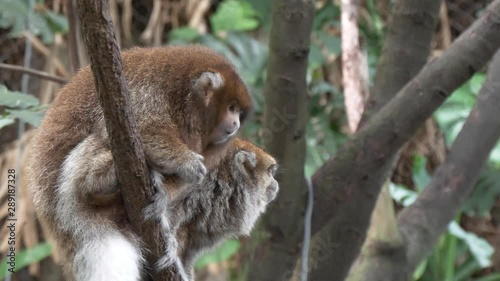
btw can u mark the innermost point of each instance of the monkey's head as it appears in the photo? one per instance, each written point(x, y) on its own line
point(226, 101)
point(228, 202)
point(253, 172)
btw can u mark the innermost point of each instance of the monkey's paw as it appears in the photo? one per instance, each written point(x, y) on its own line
point(193, 170)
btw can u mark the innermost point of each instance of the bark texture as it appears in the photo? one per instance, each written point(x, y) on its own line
point(425, 220)
point(402, 57)
point(405, 50)
point(284, 137)
point(126, 147)
point(354, 80)
point(347, 186)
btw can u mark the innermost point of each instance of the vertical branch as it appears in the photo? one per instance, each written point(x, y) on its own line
point(284, 136)
point(126, 147)
point(74, 30)
point(355, 88)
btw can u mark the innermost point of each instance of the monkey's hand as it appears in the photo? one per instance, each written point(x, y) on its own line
point(192, 170)
point(158, 210)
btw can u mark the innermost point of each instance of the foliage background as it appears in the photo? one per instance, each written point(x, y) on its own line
point(238, 29)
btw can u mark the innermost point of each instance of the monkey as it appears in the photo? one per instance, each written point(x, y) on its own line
point(189, 103)
point(225, 204)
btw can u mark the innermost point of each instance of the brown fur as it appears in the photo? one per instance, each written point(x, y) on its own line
point(159, 80)
point(207, 213)
point(171, 121)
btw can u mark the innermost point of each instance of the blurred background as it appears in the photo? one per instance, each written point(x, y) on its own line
point(42, 35)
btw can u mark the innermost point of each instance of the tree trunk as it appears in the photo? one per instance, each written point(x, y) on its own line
point(284, 137)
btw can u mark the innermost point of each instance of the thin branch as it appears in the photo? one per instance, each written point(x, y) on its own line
point(73, 38)
point(33, 72)
point(42, 49)
point(427, 218)
point(154, 19)
point(127, 21)
point(347, 186)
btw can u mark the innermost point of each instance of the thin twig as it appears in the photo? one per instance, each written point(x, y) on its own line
point(33, 72)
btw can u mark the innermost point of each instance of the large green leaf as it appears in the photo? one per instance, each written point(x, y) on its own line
point(16, 99)
point(32, 117)
point(5, 121)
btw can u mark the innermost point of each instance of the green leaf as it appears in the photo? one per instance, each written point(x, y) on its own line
point(16, 99)
point(419, 174)
point(332, 43)
point(479, 247)
point(34, 118)
point(184, 34)
point(325, 15)
point(234, 15)
point(492, 277)
point(222, 253)
point(262, 8)
point(27, 257)
point(316, 58)
point(57, 22)
point(402, 195)
point(420, 270)
point(42, 28)
point(13, 8)
point(5, 121)
point(476, 82)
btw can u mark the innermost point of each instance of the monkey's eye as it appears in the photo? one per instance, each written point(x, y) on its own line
point(232, 108)
point(272, 170)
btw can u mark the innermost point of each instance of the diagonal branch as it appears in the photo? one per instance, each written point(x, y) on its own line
point(425, 220)
point(346, 187)
point(126, 146)
point(34, 72)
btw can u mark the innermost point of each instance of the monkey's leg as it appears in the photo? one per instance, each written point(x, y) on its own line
point(101, 250)
point(169, 155)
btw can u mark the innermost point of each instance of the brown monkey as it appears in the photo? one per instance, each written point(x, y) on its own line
point(188, 102)
point(225, 204)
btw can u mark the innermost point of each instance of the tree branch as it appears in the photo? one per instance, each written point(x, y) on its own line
point(346, 187)
point(383, 250)
point(427, 218)
point(126, 147)
point(73, 36)
point(354, 82)
point(33, 72)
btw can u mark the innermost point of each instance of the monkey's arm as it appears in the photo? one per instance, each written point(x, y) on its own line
point(168, 154)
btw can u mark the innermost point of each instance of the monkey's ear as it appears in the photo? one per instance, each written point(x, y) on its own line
point(205, 85)
point(244, 159)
